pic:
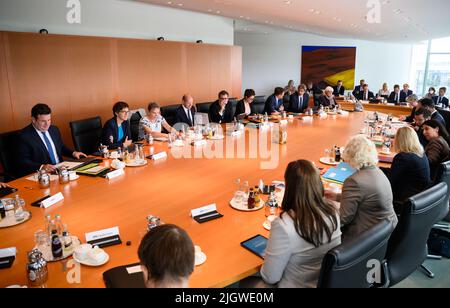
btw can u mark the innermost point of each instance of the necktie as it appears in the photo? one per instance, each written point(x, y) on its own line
point(300, 103)
point(189, 116)
point(49, 149)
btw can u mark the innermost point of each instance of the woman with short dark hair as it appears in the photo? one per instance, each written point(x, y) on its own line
point(244, 106)
point(167, 257)
point(116, 131)
point(437, 149)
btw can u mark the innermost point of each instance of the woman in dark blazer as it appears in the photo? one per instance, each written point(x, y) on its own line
point(116, 131)
point(244, 106)
point(437, 149)
point(410, 170)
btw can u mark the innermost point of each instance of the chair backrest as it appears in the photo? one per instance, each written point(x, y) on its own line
point(258, 104)
point(168, 113)
point(443, 176)
point(8, 153)
point(407, 248)
point(86, 134)
point(446, 115)
point(135, 118)
point(347, 265)
point(203, 107)
point(233, 102)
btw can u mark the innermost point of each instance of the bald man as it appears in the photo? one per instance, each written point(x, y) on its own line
point(186, 112)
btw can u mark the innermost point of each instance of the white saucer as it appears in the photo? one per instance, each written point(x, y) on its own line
point(89, 262)
point(200, 259)
point(76, 178)
point(243, 207)
point(134, 164)
point(327, 161)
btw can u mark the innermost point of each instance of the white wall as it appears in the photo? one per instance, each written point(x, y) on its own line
point(270, 60)
point(115, 18)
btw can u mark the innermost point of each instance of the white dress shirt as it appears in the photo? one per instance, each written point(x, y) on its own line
point(51, 143)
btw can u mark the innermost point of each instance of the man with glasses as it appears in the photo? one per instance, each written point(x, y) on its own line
point(40, 144)
point(117, 132)
point(221, 111)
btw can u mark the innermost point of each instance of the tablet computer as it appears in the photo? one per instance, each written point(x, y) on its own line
point(256, 244)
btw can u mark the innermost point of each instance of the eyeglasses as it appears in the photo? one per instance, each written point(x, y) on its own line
point(223, 98)
point(125, 111)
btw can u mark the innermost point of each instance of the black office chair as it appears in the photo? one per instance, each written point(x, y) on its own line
point(407, 248)
point(347, 265)
point(168, 113)
point(446, 115)
point(443, 176)
point(233, 102)
point(203, 107)
point(8, 156)
point(86, 134)
point(134, 124)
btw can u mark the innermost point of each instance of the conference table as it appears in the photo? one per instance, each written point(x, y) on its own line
point(392, 109)
point(170, 188)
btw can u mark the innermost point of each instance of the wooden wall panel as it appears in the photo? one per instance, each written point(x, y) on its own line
point(81, 77)
point(6, 116)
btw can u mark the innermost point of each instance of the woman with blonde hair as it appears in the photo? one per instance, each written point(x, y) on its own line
point(366, 197)
point(410, 171)
point(384, 91)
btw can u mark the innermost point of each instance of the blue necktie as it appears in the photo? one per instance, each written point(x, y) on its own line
point(49, 149)
point(300, 103)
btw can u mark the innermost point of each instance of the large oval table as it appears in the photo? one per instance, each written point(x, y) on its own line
point(170, 188)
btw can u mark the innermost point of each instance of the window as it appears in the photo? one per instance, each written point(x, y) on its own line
point(431, 65)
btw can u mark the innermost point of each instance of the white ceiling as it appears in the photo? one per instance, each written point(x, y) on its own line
point(401, 20)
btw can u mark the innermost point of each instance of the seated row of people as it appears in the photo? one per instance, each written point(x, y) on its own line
point(439, 99)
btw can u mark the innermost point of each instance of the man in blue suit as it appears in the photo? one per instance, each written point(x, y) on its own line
point(405, 93)
point(274, 103)
point(299, 100)
point(40, 144)
point(441, 101)
point(359, 89)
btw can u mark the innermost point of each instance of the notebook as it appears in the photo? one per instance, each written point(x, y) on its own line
point(340, 173)
point(128, 276)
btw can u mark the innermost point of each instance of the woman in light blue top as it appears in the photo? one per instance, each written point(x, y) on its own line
point(154, 123)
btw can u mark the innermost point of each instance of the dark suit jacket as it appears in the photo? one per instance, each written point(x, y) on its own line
point(438, 117)
point(356, 91)
point(32, 152)
point(111, 129)
point(272, 105)
point(214, 115)
point(240, 108)
point(409, 175)
point(444, 100)
point(360, 96)
point(340, 92)
point(181, 116)
point(404, 95)
point(294, 101)
point(410, 118)
point(392, 100)
point(326, 102)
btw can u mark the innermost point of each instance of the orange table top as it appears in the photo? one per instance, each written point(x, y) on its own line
point(170, 189)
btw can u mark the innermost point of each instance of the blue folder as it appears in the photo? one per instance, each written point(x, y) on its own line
point(340, 173)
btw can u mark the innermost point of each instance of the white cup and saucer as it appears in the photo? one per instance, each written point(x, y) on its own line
point(114, 155)
point(90, 256)
point(200, 256)
point(268, 222)
point(73, 176)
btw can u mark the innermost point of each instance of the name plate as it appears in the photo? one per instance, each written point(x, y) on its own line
point(283, 121)
point(104, 238)
point(235, 133)
point(203, 210)
point(159, 156)
point(7, 257)
point(307, 118)
point(206, 213)
point(115, 174)
point(52, 200)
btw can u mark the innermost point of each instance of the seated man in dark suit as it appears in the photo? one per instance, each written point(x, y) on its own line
point(396, 96)
point(274, 103)
point(421, 116)
point(339, 89)
point(40, 145)
point(405, 93)
point(186, 112)
point(365, 94)
point(441, 101)
point(358, 89)
point(221, 111)
point(312, 89)
point(299, 100)
point(429, 104)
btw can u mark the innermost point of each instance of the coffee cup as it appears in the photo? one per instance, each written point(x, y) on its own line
point(81, 252)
